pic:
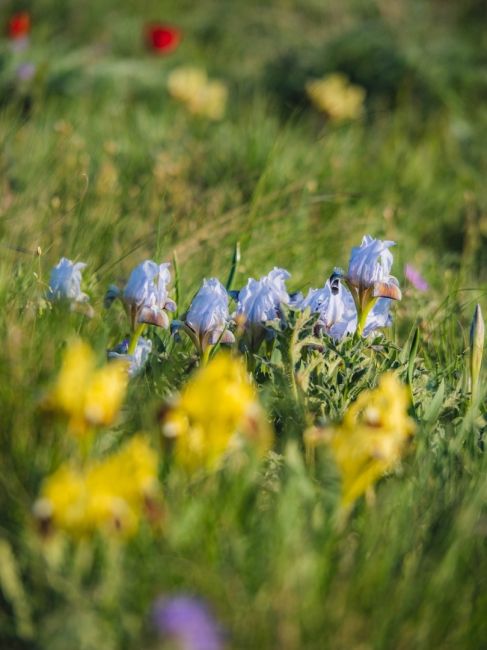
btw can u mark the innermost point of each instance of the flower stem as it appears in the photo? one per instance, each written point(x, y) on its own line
point(205, 357)
point(139, 330)
point(85, 443)
point(363, 314)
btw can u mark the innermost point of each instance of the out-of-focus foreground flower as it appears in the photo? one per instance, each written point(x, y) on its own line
point(161, 38)
point(136, 360)
point(109, 495)
point(216, 414)
point(200, 95)
point(371, 438)
point(207, 319)
point(188, 622)
point(335, 96)
point(87, 395)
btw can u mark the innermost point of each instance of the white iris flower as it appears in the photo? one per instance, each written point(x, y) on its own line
point(259, 301)
point(337, 312)
point(370, 281)
point(146, 294)
point(65, 282)
point(369, 269)
point(207, 319)
point(138, 359)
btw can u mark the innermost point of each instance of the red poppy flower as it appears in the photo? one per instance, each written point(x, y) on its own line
point(19, 25)
point(162, 39)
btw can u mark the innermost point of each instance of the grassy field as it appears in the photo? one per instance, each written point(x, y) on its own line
point(102, 165)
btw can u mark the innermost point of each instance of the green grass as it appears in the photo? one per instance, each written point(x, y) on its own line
point(100, 165)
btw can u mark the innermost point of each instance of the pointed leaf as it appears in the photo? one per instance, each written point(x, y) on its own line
point(433, 409)
point(234, 267)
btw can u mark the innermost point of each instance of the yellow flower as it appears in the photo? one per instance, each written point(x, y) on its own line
point(201, 96)
point(106, 495)
point(371, 438)
point(218, 412)
point(337, 97)
point(86, 395)
point(63, 499)
point(185, 81)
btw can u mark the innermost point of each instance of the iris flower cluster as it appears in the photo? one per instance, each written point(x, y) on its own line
point(217, 417)
point(357, 300)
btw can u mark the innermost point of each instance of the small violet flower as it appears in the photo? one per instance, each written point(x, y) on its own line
point(25, 71)
point(207, 319)
point(138, 359)
point(65, 282)
point(187, 621)
point(146, 295)
point(415, 278)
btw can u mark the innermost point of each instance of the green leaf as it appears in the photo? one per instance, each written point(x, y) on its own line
point(13, 590)
point(177, 282)
point(432, 411)
point(413, 351)
point(234, 267)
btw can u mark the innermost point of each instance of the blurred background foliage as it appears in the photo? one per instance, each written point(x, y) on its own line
point(412, 167)
point(98, 163)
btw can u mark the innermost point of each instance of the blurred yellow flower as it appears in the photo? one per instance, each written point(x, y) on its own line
point(200, 95)
point(87, 395)
point(217, 413)
point(110, 494)
point(371, 437)
point(337, 97)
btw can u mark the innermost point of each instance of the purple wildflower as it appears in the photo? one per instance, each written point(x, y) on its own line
point(26, 71)
point(188, 621)
point(415, 278)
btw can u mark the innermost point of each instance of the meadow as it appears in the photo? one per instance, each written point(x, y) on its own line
point(253, 465)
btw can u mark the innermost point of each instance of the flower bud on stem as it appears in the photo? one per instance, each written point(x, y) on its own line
point(477, 336)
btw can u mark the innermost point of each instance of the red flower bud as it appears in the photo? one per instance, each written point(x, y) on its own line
point(19, 25)
point(162, 39)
